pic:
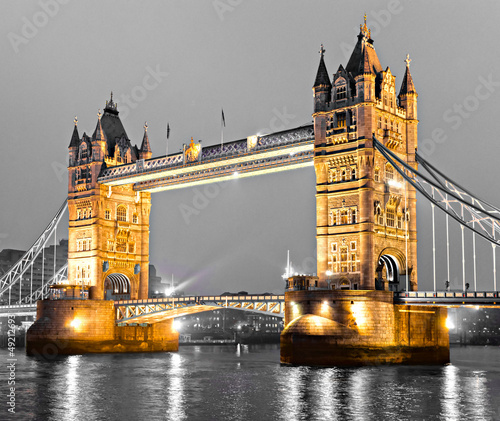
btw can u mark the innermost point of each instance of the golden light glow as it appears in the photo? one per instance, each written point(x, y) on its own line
point(449, 323)
point(75, 323)
point(359, 314)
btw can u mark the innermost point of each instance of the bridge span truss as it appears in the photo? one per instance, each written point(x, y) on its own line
point(159, 309)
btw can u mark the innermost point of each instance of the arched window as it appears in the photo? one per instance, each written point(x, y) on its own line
point(389, 172)
point(135, 218)
point(334, 264)
point(341, 91)
point(376, 175)
point(344, 175)
point(353, 173)
point(121, 214)
point(83, 151)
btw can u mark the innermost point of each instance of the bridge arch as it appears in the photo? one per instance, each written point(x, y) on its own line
point(390, 269)
point(117, 286)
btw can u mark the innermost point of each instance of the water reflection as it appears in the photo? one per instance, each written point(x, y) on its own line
point(450, 393)
point(175, 397)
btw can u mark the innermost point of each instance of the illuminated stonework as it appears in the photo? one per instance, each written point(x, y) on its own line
point(108, 226)
point(366, 222)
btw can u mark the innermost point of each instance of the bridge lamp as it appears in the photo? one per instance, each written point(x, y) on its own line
point(329, 273)
point(177, 324)
point(449, 323)
point(76, 323)
point(169, 291)
point(235, 174)
point(395, 183)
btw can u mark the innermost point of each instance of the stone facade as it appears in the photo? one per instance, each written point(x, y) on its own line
point(108, 226)
point(326, 328)
point(364, 212)
point(65, 327)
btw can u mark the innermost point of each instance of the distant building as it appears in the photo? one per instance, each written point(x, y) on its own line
point(49, 261)
point(471, 326)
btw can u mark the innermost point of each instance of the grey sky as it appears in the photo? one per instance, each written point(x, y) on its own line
point(258, 60)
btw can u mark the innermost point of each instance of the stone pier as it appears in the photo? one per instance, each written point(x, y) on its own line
point(67, 327)
point(354, 328)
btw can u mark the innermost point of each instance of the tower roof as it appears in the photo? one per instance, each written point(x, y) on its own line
point(407, 87)
point(322, 78)
point(145, 147)
point(364, 58)
point(75, 139)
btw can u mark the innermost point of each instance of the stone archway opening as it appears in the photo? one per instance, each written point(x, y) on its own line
point(117, 287)
point(388, 273)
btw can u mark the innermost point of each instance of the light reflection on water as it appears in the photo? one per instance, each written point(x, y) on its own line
point(248, 383)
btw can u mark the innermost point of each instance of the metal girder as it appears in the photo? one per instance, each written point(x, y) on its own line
point(133, 311)
point(43, 292)
point(17, 271)
point(476, 214)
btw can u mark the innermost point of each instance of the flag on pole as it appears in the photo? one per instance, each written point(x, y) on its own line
point(168, 135)
point(222, 125)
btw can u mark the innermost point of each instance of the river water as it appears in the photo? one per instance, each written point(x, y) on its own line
point(247, 382)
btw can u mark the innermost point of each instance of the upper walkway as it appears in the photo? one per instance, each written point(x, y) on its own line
point(255, 155)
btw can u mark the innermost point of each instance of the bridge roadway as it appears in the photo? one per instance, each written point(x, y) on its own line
point(157, 309)
point(255, 155)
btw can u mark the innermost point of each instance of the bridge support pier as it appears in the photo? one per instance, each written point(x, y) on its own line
point(355, 328)
point(68, 327)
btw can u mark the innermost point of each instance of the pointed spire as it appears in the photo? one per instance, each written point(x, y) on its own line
point(75, 139)
point(407, 87)
point(364, 58)
point(322, 78)
point(111, 106)
point(145, 147)
point(99, 132)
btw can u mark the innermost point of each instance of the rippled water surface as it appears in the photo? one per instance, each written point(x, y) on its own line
point(248, 383)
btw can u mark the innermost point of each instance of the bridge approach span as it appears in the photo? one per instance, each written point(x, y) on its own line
point(158, 309)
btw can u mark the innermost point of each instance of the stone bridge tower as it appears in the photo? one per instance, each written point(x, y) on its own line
point(108, 226)
point(366, 217)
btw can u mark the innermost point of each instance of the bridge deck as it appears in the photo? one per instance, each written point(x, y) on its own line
point(272, 153)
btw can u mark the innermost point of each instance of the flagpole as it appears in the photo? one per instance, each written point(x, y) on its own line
point(222, 125)
point(168, 135)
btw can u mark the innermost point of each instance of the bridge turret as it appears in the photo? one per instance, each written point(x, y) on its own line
point(99, 141)
point(73, 145)
point(322, 86)
point(360, 200)
point(145, 151)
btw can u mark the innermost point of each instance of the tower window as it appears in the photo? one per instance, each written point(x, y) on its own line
point(121, 214)
point(353, 216)
point(343, 259)
point(341, 92)
point(376, 175)
point(343, 217)
point(107, 214)
point(389, 172)
point(353, 173)
point(135, 218)
point(341, 120)
point(390, 217)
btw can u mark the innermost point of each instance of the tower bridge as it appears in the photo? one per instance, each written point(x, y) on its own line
point(363, 306)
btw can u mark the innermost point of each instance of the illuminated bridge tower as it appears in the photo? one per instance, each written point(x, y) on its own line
point(363, 240)
point(108, 226)
point(366, 227)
